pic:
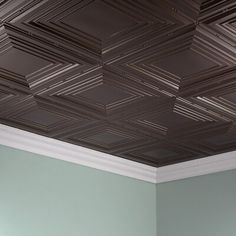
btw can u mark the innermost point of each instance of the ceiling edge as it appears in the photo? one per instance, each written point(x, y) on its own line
point(203, 166)
point(53, 148)
point(23, 140)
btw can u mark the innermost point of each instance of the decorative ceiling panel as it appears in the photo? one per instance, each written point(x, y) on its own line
point(150, 81)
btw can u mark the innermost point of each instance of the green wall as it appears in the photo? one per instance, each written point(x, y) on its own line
point(40, 196)
point(204, 205)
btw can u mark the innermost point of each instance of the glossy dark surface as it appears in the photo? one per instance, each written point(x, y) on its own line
point(151, 81)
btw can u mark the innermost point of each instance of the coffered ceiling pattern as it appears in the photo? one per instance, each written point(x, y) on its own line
point(150, 81)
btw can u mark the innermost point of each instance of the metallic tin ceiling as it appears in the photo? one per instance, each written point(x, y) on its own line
point(151, 81)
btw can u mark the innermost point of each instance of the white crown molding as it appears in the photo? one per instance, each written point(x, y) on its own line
point(53, 148)
point(198, 167)
point(38, 144)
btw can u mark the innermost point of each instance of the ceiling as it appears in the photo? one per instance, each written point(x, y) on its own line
point(150, 81)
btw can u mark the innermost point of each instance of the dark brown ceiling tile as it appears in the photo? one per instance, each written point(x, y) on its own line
point(215, 139)
point(108, 137)
point(174, 119)
point(8, 95)
point(219, 19)
point(11, 103)
point(28, 62)
point(223, 141)
point(40, 117)
point(94, 19)
point(230, 97)
point(10, 9)
point(221, 105)
point(185, 63)
point(105, 94)
point(22, 63)
point(99, 89)
point(131, 21)
point(161, 154)
point(149, 120)
point(185, 59)
point(216, 83)
point(151, 81)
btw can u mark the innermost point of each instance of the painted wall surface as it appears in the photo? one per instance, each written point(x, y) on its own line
point(204, 205)
point(41, 196)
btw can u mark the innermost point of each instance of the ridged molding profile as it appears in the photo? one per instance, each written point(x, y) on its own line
point(53, 148)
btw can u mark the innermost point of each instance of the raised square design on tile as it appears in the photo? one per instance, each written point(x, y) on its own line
point(185, 63)
point(20, 62)
point(94, 19)
point(222, 139)
point(107, 137)
point(41, 117)
point(105, 94)
point(159, 153)
point(150, 81)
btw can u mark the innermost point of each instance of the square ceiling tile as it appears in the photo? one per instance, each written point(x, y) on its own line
point(105, 94)
point(108, 138)
point(162, 153)
point(222, 139)
point(100, 90)
point(41, 117)
point(185, 63)
point(21, 62)
point(94, 19)
point(159, 153)
point(151, 81)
